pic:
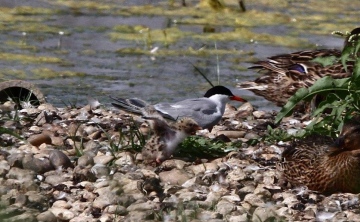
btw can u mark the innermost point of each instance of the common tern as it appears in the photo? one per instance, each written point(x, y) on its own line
point(206, 111)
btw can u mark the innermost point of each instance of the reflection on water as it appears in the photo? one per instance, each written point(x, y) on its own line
point(87, 48)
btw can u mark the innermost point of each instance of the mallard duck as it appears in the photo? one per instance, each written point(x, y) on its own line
point(324, 165)
point(283, 75)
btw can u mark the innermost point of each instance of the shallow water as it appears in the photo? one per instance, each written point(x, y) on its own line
point(97, 60)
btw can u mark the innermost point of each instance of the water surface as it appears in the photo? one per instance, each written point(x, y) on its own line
point(105, 48)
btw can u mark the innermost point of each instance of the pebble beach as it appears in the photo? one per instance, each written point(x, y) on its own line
point(59, 164)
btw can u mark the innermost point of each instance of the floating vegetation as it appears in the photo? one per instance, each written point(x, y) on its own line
point(185, 52)
point(41, 73)
point(30, 58)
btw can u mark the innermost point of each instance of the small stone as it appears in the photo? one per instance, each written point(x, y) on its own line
point(61, 204)
point(35, 129)
point(236, 175)
point(250, 136)
point(26, 217)
point(259, 114)
point(21, 200)
point(85, 160)
point(59, 159)
point(20, 174)
point(57, 141)
point(237, 218)
point(62, 214)
point(90, 129)
point(38, 139)
point(81, 206)
point(174, 177)
point(254, 200)
point(124, 159)
point(15, 159)
point(4, 167)
point(265, 214)
point(37, 199)
point(197, 169)
point(37, 165)
point(244, 111)
point(89, 218)
point(105, 200)
point(47, 107)
point(225, 207)
point(231, 198)
point(103, 159)
point(234, 134)
point(116, 209)
point(150, 205)
point(84, 174)
point(100, 170)
point(46, 216)
point(205, 215)
point(55, 179)
point(137, 216)
point(89, 196)
point(95, 135)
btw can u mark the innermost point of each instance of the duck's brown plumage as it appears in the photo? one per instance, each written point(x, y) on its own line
point(282, 75)
point(324, 165)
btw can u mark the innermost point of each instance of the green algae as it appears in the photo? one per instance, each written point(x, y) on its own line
point(243, 34)
point(203, 52)
point(41, 73)
point(80, 5)
point(38, 73)
point(22, 19)
point(26, 59)
point(251, 18)
point(171, 35)
point(148, 36)
point(7, 74)
point(21, 45)
point(27, 10)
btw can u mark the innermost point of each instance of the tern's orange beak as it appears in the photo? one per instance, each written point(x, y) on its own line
point(237, 98)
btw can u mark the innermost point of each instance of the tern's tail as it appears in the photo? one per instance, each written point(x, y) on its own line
point(133, 105)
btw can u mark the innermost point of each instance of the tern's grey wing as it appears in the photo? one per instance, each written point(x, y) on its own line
point(133, 105)
point(204, 111)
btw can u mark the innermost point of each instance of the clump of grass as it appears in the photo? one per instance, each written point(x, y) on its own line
point(79, 150)
point(130, 139)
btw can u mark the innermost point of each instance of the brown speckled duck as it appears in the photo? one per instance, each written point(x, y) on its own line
point(324, 165)
point(282, 75)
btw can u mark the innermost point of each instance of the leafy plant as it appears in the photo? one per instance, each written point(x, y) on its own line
point(341, 96)
point(281, 135)
point(197, 146)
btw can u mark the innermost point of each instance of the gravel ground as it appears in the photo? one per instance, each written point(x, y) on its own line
point(66, 168)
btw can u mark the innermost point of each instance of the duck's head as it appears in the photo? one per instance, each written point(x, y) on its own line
point(349, 138)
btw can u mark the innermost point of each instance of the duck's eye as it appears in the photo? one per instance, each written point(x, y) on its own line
point(191, 124)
